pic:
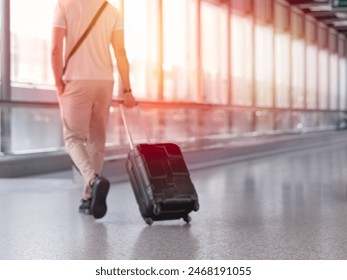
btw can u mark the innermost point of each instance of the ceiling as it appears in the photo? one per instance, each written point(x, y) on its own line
point(322, 10)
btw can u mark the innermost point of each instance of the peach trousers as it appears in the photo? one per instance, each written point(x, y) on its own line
point(84, 108)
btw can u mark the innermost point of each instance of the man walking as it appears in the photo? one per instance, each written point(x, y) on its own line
point(84, 87)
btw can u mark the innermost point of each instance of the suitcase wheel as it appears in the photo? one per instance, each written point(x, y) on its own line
point(148, 221)
point(187, 219)
point(196, 206)
point(156, 209)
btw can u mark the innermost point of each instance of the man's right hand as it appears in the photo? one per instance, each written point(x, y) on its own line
point(129, 100)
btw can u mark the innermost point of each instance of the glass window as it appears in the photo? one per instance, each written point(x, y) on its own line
point(342, 73)
point(311, 63)
point(298, 73)
point(141, 39)
point(263, 65)
point(214, 52)
point(264, 121)
point(35, 130)
point(282, 51)
point(333, 82)
point(241, 46)
point(323, 66)
point(311, 76)
point(30, 36)
point(298, 56)
point(180, 58)
point(282, 89)
point(333, 73)
point(264, 52)
point(30, 48)
point(343, 83)
point(323, 78)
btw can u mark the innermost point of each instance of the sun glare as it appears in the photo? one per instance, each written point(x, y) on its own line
point(32, 18)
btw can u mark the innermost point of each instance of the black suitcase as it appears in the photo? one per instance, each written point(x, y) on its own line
point(160, 180)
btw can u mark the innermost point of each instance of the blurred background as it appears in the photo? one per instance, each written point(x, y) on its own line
point(205, 71)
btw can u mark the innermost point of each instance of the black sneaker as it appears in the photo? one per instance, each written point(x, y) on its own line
point(100, 189)
point(85, 206)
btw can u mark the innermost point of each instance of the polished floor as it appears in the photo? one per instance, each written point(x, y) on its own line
point(287, 206)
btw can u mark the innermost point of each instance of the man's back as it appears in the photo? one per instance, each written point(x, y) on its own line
point(92, 61)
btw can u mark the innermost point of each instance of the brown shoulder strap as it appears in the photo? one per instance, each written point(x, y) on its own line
point(84, 35)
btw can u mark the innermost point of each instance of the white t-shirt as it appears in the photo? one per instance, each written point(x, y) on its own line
point(92, 61)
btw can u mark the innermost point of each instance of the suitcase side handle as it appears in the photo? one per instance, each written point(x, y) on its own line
point(126, 126)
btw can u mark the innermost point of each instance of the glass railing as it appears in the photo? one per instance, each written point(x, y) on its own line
point(31, 127)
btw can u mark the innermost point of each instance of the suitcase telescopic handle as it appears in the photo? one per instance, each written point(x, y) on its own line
point(126, 126)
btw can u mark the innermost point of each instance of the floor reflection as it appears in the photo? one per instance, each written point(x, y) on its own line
point(287, 206)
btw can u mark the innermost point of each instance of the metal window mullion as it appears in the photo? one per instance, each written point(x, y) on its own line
point(345, 60)
point(161, 51)
point(5, 112)
point(120, 84)
point(273, 93)
point(200, 97)
point(200, 94)
point(254, 87)
point(5, 50)
point(339, 73)
point(317, 74)
point(329, 98)
point(305, 64)
point(122, 7)
point(291, 91)
point(229, 79)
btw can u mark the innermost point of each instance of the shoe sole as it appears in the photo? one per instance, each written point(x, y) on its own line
point(85, 211)
point(99, 193)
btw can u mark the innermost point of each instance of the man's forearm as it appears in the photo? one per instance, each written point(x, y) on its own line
point(58, 36)
point(123, 68)
point(57, 65)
